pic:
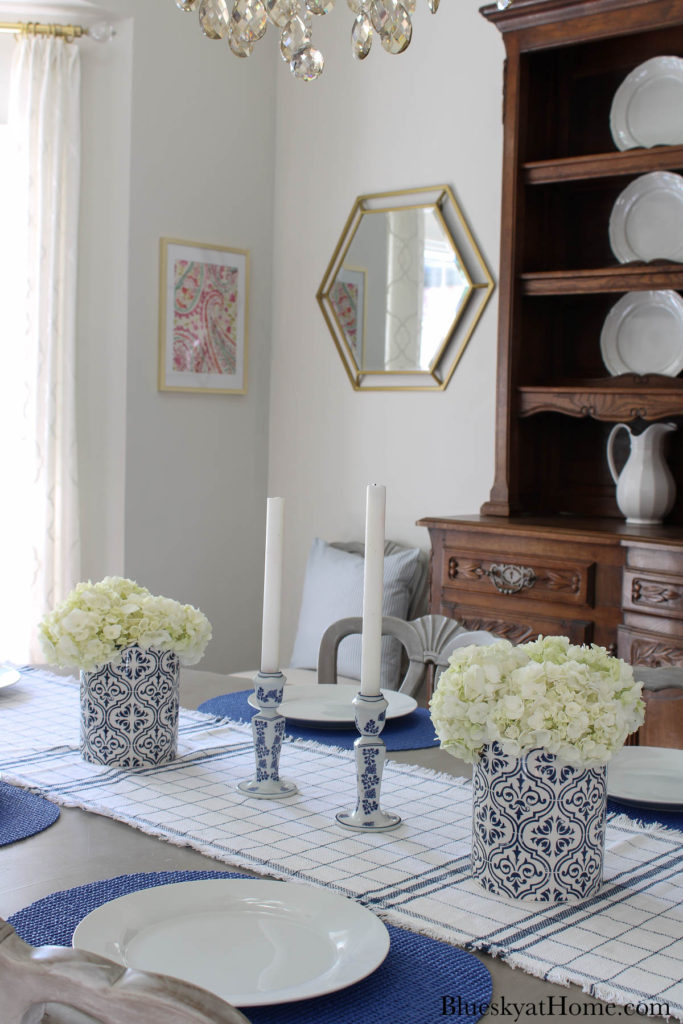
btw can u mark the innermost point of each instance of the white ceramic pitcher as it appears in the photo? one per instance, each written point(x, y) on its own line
point(645, 487)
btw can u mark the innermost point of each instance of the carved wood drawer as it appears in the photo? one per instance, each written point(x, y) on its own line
point(640, 647)
point(515, 628)
point(657, 593)
point(530, 576)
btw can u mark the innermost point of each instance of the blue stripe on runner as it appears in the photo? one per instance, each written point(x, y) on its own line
point(427, 883)
point(114, 775)
point(606, 895)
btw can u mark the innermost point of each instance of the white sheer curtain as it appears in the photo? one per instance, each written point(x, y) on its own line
point(39, 560)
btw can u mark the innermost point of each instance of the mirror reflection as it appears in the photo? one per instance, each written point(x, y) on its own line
point(397, 288)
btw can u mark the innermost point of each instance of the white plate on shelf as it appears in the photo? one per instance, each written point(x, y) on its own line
point(330, 705)
point(647, 777)
point(643, 333)
point(647, 109)
point(8, 677)
point(646, 222)
point(253, 943)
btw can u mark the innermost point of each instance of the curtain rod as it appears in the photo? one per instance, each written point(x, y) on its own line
point(37, 29)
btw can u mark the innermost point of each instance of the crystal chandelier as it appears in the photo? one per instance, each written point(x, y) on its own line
point(245, 23)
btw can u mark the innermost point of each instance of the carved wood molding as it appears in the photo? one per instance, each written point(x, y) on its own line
point(459, 568)
point(655, 653)
point(556, 580)
point(649, 592)
point(614, 406)
point(515, 632)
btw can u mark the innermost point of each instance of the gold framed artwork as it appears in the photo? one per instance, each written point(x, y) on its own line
point(203, 317)
point(347, 299)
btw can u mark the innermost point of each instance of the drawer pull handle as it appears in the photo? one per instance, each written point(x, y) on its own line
point(507, 579)
point(510, 579)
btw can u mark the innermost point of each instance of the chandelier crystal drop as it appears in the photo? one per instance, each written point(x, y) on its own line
point(214, 18)
point(239, 46)
point(280, 11)
point(397, 31)
point(248, 21)
point(381, 13)
point(296, 36)
point(307, 63)
point(243, 22)
point(361, 36)
point(320, 6)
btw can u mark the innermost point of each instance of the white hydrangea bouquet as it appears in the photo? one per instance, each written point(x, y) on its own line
point(97, 621)
point(576, 702)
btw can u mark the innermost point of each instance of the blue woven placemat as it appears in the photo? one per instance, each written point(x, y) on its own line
point(648, 816)
point(23, 814)
point(408, 988)
point(412, 732)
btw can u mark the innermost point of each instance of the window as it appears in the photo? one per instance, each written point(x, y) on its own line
point(16, 519)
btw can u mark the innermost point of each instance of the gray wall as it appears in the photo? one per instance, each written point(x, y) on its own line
point(428, 116)
point(184, 140)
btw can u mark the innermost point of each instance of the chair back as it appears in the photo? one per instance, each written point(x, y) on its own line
point(663, 696)
point(398, 628)
point(429, 640)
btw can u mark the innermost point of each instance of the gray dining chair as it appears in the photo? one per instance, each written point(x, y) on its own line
point(429, 640)
point(57, 985)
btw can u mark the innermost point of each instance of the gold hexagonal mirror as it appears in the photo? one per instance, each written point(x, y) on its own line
point(404, 290)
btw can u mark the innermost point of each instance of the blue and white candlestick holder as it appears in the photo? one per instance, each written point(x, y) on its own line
point(268, 727)
point(370, 713)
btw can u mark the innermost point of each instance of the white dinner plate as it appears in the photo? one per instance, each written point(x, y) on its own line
point(647, 109)
point(8, 677)
point(643, 333)
point(647, 777)
point(252, 943)
point(646, 222)
point(330, 705)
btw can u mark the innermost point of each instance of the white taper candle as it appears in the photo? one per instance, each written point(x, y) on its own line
point(272, 585)
point(373, 590)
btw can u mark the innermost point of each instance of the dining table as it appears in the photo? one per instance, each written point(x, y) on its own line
point(85, 846)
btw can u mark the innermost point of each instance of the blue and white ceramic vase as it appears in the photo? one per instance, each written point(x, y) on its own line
point(538, 826)
point(129, 710)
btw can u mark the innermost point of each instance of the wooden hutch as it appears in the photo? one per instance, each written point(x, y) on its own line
point(550, 552)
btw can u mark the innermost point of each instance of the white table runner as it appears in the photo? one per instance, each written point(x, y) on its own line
point(624, 945)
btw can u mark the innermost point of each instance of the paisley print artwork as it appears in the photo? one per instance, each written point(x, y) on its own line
point(205, 317)
point(344, 299)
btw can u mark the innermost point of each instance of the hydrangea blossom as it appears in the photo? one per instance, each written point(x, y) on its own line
point(98, 620)
point(576, 702)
